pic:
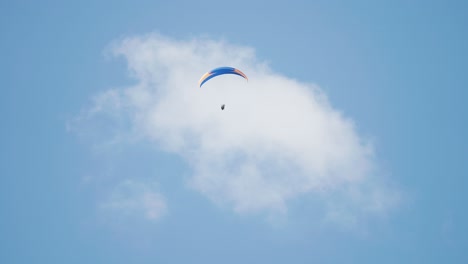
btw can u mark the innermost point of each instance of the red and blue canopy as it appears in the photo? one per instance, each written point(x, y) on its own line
point(220, 71)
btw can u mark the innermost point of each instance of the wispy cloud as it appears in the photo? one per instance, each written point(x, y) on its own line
point(278, 138)
point(135, 199)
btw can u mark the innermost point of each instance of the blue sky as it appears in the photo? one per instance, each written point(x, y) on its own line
point(78, 185)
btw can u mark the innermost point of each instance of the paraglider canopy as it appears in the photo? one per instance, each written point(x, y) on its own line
point(220, 71)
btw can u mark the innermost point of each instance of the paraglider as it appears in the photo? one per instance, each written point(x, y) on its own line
point(220, 71)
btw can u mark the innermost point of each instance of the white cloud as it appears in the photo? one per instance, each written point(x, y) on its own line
point(135, 199)
point(277, 139)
